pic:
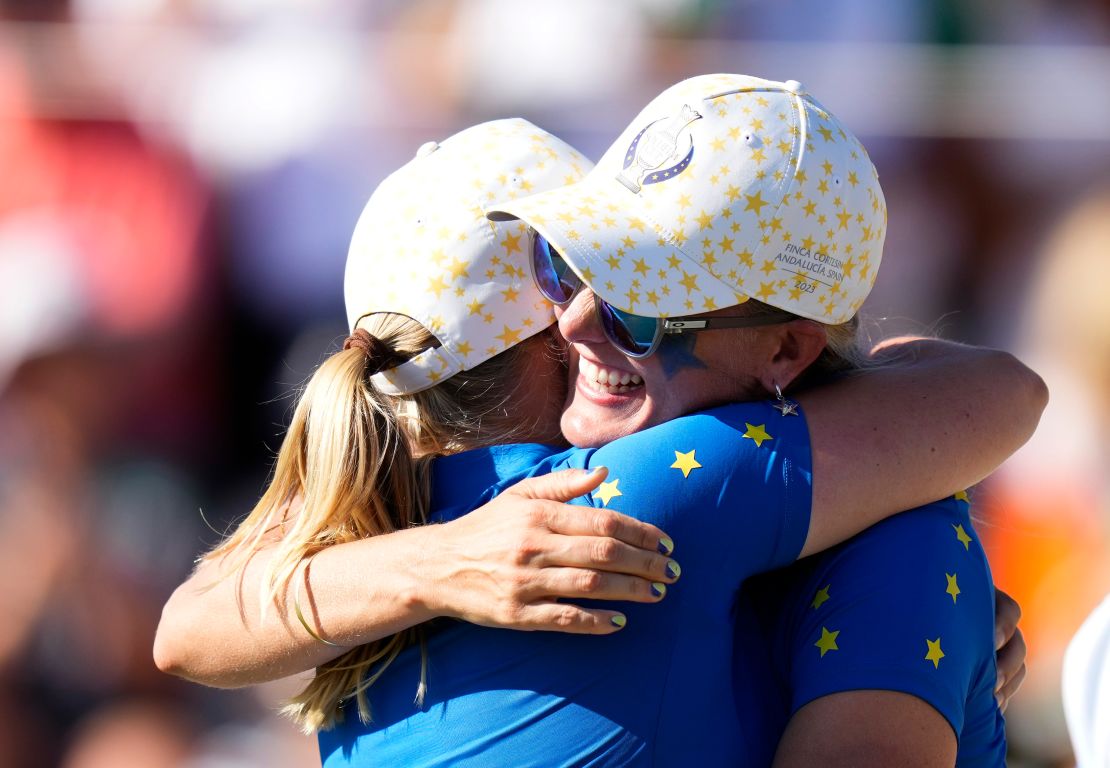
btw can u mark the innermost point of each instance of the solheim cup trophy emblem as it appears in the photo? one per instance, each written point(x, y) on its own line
point(655, 146)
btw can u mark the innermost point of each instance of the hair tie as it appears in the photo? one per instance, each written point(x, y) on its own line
point(379, 355)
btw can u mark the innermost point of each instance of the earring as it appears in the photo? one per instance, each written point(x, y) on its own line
point(784, 406)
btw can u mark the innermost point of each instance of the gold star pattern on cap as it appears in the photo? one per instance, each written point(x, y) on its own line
point(685, 462)
point(749, 186)
point(758, 433)
point(820, 597)
point(424, 248)
point(962, 536)
point(827, 641)
point(608, 491)
point(953, 588)
point(935, 654)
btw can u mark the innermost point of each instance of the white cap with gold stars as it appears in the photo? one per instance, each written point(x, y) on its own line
point(424, 248)
point(724, 188)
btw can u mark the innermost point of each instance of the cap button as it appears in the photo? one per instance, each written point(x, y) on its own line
point(794, 87)
point(427, 148)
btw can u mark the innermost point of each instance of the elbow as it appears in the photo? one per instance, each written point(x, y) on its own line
point(1034, 391)
point(1030, 393)
point(167, 655)
point(179, 652)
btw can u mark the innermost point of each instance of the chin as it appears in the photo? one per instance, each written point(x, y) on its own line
point(588, 425)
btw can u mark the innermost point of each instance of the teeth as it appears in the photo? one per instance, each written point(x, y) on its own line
point(607, 380)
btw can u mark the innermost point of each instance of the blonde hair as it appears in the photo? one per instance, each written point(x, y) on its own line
point(355, 463)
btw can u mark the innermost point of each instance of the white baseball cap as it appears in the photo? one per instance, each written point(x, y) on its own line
point(424, 248)
point(724, 188)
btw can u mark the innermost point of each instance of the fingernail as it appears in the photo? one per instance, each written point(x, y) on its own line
point(999, 638)
point(998, 698)
point(618, 621)
point(666, 546)
point(658, 588)
point(1001, 681)
point(673, 569)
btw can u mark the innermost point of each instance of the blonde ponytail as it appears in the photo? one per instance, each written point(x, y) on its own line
point(355, 463)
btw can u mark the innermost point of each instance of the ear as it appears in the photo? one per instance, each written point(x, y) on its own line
point(796, 345)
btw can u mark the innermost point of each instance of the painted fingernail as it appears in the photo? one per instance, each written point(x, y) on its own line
point(618, 621)
point(673, 571)
point(658, 588)
point(666, 546)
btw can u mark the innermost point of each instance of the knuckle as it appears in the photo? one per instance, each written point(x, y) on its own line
point(605, 550)
point(565, 616)
point(588, 582)
point(535, 515)
point(606, 525)
point(526, 551)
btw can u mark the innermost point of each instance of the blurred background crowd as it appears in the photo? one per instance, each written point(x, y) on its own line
point(178, 183)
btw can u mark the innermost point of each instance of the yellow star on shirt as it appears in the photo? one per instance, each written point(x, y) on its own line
point(935, 654)
point(962, 496)
point(961, 534)
point(827, 642)
point(757, 433)
point(608, 491)
point(685, 462)
point(821, 596)
point(953, 587)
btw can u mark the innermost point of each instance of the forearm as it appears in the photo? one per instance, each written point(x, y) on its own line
point(937, 418)
point(214, 630)
point(511, 563)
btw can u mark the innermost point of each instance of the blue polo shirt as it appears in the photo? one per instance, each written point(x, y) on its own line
point(907, 605)
point(732, 486)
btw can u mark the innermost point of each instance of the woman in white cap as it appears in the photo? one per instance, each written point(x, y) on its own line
point(356, 464)
point(725, 189)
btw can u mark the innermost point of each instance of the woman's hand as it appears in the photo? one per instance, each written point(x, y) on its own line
point(508, 563)
point(1009, 647)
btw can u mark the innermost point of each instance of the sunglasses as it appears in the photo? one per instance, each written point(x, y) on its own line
point(634, 335)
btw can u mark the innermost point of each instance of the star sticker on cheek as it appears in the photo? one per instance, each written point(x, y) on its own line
point(757, 433)
point(608, 491)
point(685, 462)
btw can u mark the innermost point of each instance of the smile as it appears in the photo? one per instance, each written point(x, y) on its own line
point(608, 380)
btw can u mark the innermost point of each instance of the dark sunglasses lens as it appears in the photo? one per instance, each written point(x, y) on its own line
point(554, 276)
point(630, 333)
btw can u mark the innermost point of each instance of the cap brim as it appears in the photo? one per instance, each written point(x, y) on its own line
point(608, 236)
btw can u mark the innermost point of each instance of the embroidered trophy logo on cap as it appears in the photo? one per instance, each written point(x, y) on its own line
point(654, 146)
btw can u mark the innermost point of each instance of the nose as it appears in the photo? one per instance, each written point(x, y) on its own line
point(578, 321)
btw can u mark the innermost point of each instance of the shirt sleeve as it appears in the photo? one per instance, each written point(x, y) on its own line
point(732, 486)
point(907, 605)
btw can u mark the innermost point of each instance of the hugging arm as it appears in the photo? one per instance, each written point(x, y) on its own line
point(504, 564)
point(934, 418)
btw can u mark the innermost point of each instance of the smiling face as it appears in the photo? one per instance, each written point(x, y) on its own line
point(610, 395)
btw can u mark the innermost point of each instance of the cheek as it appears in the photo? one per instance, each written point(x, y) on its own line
point(676, 353)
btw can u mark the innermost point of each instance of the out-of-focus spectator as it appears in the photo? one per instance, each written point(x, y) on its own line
point(1049, 536)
